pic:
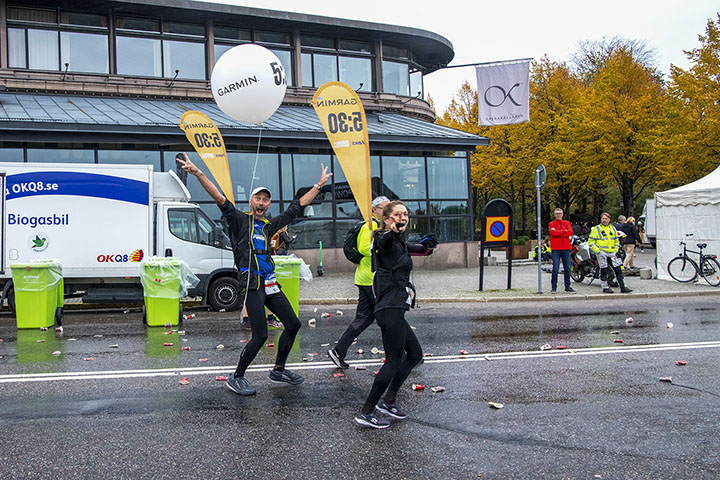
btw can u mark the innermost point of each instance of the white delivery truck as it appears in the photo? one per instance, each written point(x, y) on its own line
point(648, 217)
point(100, 221)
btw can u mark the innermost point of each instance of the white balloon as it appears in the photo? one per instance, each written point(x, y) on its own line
point(248, 83)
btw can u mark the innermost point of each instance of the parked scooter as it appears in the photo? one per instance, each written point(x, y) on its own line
point(584, 261)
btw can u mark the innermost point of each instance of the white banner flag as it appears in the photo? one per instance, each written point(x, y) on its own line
point(503, 93)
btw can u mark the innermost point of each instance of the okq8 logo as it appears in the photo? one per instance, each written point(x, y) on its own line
point(135, 256)
point(496, 92)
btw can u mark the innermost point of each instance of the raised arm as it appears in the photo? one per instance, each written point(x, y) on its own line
point(205, 182)
point(306, 199)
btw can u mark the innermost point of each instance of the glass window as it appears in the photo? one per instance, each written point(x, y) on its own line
point(344, 198)
point(356, 72)
point(84, 52)
point(341, 228)
point(310, 232)
point(395, 52)
point(193, 29)
point(404, 177)
point(451, 229)
point(416, 84)
point(135, 157)
point(16, 48)
point(47, 155)
point(137, 24)
point(300, 171)
point(286, 59)
point(220, 49)
point(324, 69)
point(188, 58)
point(447, 177)
point(272, 37)
point(32, 15)
point(211, 210)
point(317, 42)
point(230, 33)
point(417, 228)
point(307, 76)
point(353, 46)
point(266, 174)
point(416, 208)
point(449, 208)
point(43, 49)
point(11, 154)
point(83, 19)
point(206, 230)
point(183, 225)
point(197, 192)
point(138, 56)
point(395, 78)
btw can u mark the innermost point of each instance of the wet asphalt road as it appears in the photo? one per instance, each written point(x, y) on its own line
point(593, 410)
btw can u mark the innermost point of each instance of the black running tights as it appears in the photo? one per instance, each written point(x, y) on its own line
point(402, 353)
point(280, 306)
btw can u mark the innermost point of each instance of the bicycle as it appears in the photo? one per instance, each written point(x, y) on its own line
point(684, 269)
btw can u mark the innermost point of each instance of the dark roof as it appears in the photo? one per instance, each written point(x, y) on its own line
point(52, 118)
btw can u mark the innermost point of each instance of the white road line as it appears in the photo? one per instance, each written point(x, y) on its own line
point(225, 369)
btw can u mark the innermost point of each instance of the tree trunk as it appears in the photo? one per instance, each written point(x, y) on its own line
point(626, 190)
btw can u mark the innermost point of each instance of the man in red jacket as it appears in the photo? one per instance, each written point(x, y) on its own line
point(560, 233)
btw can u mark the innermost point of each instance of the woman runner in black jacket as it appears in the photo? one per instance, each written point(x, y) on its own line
point(394, 295)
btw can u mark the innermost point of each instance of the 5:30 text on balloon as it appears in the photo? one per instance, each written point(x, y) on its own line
point(343, 123)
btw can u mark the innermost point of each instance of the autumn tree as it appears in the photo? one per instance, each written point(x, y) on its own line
point(620, 123)
point(693, 137)
point(555, 96)
point(501, 168)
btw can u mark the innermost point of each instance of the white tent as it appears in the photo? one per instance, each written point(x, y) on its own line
point(692, 208)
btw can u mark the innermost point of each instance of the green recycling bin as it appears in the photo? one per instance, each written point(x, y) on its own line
point(39, 293)
point(161, 280)
point(287, 272)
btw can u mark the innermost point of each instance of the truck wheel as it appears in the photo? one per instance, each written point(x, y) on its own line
point(224, 293)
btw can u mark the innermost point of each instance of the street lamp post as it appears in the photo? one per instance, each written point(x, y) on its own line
point(539, 185)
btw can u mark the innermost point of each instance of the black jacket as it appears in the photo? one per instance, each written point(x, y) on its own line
point(392, 266)
point(631, 234)
point(239, 223)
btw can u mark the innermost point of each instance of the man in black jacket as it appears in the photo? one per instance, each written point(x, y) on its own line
point(250, 234)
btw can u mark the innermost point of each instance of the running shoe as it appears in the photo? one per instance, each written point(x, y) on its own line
point(608, 290)
point(371, 420)
point(272, 323)
point(570, 290)
point(240, 385)
point(285, 376)
point(391, 409)
point(337, 359)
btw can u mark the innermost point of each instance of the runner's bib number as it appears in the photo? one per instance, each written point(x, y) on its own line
point(271, 285)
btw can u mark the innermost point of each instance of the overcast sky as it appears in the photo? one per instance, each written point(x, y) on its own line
point(483, 31)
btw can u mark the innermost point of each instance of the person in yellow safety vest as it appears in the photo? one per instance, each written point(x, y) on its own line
point(604, 242)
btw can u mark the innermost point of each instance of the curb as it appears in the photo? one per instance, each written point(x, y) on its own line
point(538, 298)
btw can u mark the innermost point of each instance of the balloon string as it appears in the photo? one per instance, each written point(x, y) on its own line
point(251, 222)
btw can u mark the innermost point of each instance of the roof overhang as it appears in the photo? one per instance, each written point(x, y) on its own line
point(79, 119)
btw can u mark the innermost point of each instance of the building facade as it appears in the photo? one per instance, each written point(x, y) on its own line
point(107, 82)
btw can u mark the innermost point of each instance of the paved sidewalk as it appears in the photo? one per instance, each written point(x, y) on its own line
point(461, 285)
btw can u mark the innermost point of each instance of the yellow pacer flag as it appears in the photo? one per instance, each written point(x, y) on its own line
point(205, 137)
point(343, 117)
